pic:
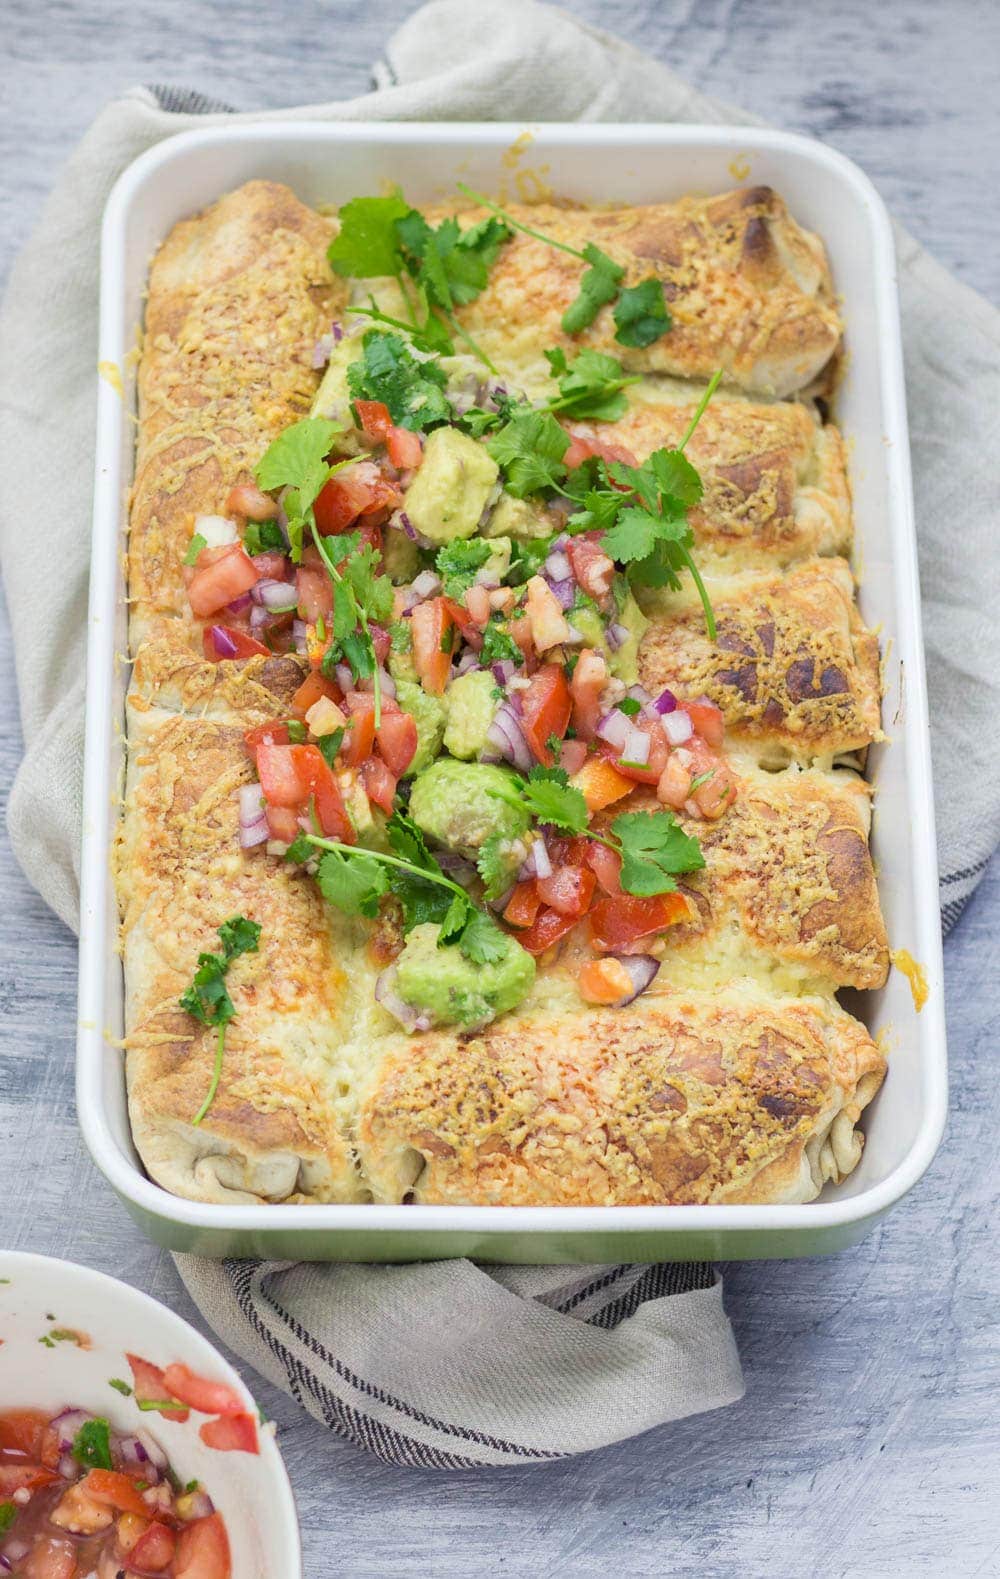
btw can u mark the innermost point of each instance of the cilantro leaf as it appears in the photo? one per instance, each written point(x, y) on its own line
point(456, 918)
point(526, 558)
point(451, 266)
point(195, 547)
point(458, 562)
point(367, 243)
point(640, 314)
point(8, 1513)
point(239, 936)
point(675, 477)
point(263, 537)
point(329, 745)
point(412, 389)
point(407, 841)
point(550, 797)
point(207, 999)
point(634, 535)
point(499, 645)
point(299, 851)
point(92, 1444)
point(297, 459)
point(592, 386)
point(429, 335)
point(354, 883)
point(481, 940)
point(654, 848)
point(598, 286)
point(495, 865)
point(530, 448)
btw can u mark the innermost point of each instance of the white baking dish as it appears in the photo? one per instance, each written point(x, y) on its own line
point(325, 162)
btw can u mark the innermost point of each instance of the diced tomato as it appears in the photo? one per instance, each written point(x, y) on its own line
point(591, 566)
point(50, 1558)
point(649, 772)
point(586, 688)
point(714, 796)
point(477, 602)
point(616, 922)
point(397, 740)
point(271, 566)
point(379, 782)
point(582, 446)
point(545, 710)
point(360, 736)
point(373, 418)
point(405, 449)
point(707, 720)
point(520, 632)
point(21, 1431)
point(604, 981)
point(246, 499)
point(17, 1477)
point(246, 646)
point(200, 1392)
point(600, 783)
point(264, 735)
point(572, 756)
point(279, 778)
point(313, 592)
point(606, 866)
point(221, 574)
point(231, 1434)
point(147, 1382)
point(282, 824)
point(381, 642)
point(431, 623)
point(569, 889)
point(312, 688)
point(114, 1491)
point(360, 490)
point(203, 1550)
point(523, 904)
point(322, 789)
point(154, 1549)
point(547, 928)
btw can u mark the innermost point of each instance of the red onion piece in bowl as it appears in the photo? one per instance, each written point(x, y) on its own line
point(642, 968)
point(666, 702)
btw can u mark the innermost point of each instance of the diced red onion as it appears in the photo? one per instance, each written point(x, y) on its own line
point(299, 635)
point(400, 519)
point(387, 684)
point(345, 679)
point(386, 994)
point(254, 833)
point(68, 1466)
point(217, 530)
point(456, 866)
point(557, 567)
point(251, 804)
point(677, 727)
point(636, 747)
point(322, 350)
point(240, 604)
point(617, 635)
point(642, 968)
point(410, 601)
point(427, 584)
point(223, 643)
point(69, 1422)
point(614, 728)
point(153, 1450)
point(507, 736)
point(503, 670)
point(487, 578)
point(200, 1506)
point(468, 660)
point(260, 619)
point(666, 702)
point(337, 331)
point(572, 755)
point(276, 596)
point(639, 694)
point(565, 591)
point(573, 637)
point(539, 858)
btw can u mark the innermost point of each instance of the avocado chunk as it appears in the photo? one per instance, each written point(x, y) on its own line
point(400, 558)
point(471, 705)
point(624, 663)
point(523, 518)
point(333, 398)
point(452, 803)
point(449, 492)
point(450, 989)
point(429, 716)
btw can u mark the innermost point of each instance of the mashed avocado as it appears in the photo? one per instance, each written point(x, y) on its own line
point(449, 492)
point(623, 663)
point(400, 557)
point(429, 716)
point(523, 518)
point(450, 989)
point(471, 705)
point(333, 398)
point(452, 803)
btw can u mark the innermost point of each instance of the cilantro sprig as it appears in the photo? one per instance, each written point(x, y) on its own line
point(207, 999)
point(92, 1444)
point(297, 461)
point(412, 389)
point(653, 847)
point(639, 311)
point(355, 881)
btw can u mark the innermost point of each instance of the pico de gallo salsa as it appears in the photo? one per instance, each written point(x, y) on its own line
point(80, 1499)
point(461, 569)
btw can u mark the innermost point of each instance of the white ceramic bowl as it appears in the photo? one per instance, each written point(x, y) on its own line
point(251, 1491)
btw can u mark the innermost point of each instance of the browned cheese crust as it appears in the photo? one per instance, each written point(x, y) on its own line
point(273, 1130)
point(695, 1098)
point(747, 289)
point(237, 299)
point(775, 480)
point(794, 669)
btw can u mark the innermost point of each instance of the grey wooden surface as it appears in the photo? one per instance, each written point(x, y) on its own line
point(867, 1444)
